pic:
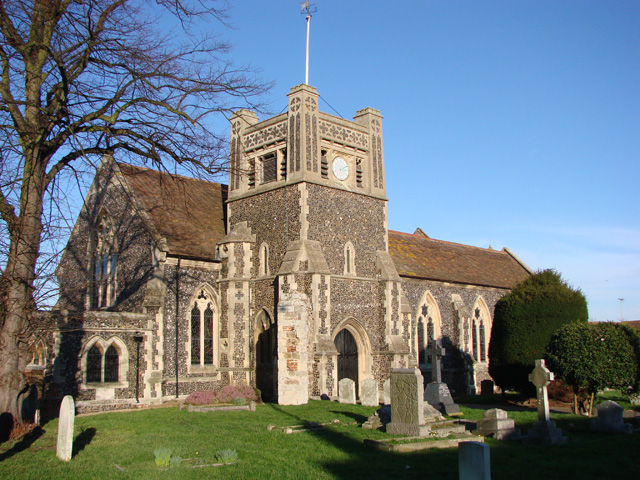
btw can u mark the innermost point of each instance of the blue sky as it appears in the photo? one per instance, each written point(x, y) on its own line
point(506, 123)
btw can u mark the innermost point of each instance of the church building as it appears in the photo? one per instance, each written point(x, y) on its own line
point(288, 279)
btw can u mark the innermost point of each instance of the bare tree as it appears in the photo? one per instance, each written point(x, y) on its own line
point(85, 78)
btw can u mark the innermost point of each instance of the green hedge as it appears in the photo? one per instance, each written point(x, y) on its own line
point(594, 356)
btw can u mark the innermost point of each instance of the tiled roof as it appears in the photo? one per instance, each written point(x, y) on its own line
point(188, 212)
point(418, 256)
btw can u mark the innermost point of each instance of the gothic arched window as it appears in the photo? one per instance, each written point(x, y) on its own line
point(428, 326)
point(94, 365)
point(202, 320)
point(104, 262)
point(111, 364)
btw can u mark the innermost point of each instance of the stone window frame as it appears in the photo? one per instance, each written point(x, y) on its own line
point(263, 263)
point(423, 316)
point(349, 253)
point(103, 346)
point(203, 296)
point(480, 324)
point(103, 263)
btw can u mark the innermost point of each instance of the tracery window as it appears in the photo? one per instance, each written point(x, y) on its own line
point(202, 330)
point(428, 326)
point(477, 337)
point(103, 368)
point(104, 262)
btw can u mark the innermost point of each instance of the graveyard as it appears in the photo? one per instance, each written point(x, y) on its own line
point(323, 439)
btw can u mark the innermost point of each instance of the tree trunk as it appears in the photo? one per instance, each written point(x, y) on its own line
point(18, 279)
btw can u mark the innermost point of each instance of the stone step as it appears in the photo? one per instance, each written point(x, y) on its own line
point(414, 444)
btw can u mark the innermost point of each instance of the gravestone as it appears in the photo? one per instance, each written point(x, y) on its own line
point(437, 393)
point(544, 431)
point(610, 419)
point(407, 404)
point(66, 421)
point(496, 423)
point(486, 387)
point(474, 461)
point(347, 391)
point(386, 392)
point(369, 393)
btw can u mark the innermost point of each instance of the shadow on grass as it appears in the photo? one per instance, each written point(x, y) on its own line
point(83, 440)
point(362, 462)
point(23, 444)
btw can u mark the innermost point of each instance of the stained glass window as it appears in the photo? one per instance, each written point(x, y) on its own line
point(195, 335)
point(474, 340)
point(483, 342)
point(94, 365)
point(422, 356)
point(111, 364)
point(208, 335)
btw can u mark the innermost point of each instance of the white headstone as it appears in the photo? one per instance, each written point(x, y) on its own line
point(369, 393)
point(386, 392)
point(66, 422)
point(474, 461)
point(347, 391)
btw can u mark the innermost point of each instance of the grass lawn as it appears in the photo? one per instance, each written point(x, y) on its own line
point(120, 445)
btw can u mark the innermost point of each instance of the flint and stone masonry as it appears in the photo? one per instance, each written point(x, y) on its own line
point(288, 279)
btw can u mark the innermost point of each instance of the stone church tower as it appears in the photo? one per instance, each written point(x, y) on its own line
point(306, 260)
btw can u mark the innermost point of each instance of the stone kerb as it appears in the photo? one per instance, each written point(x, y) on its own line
point(407, 404)
point(293, 334)
point(64, 447)
point(347, 391)
point(369, 393)
point(610, 419)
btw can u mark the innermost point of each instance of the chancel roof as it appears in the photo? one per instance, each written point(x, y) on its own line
point(189, 213)
point(419, 256)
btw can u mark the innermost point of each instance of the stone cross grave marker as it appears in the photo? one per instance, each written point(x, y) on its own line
point(436, 352)
point(64, 447)
point(541, 377)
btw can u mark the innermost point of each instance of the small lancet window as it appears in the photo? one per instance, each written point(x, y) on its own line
point(104, 263)
point(349, 259)
point(264, 260)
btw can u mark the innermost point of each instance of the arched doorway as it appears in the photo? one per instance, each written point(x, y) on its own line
point(266, 340)
point(347, 356)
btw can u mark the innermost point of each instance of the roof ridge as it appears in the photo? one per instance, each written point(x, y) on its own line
point(420, 237)
point(172, 175)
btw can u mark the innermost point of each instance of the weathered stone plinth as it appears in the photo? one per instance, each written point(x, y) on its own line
point(407, 404)
point(497, 424)
point(437, 394)
point(545, 432)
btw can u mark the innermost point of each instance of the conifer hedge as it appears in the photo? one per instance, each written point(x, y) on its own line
point(524, 321)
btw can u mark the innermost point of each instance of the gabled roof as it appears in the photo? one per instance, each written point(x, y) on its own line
point(419, 256)
point(189, 213)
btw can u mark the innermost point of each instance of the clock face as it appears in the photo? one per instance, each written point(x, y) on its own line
point(340, 168)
